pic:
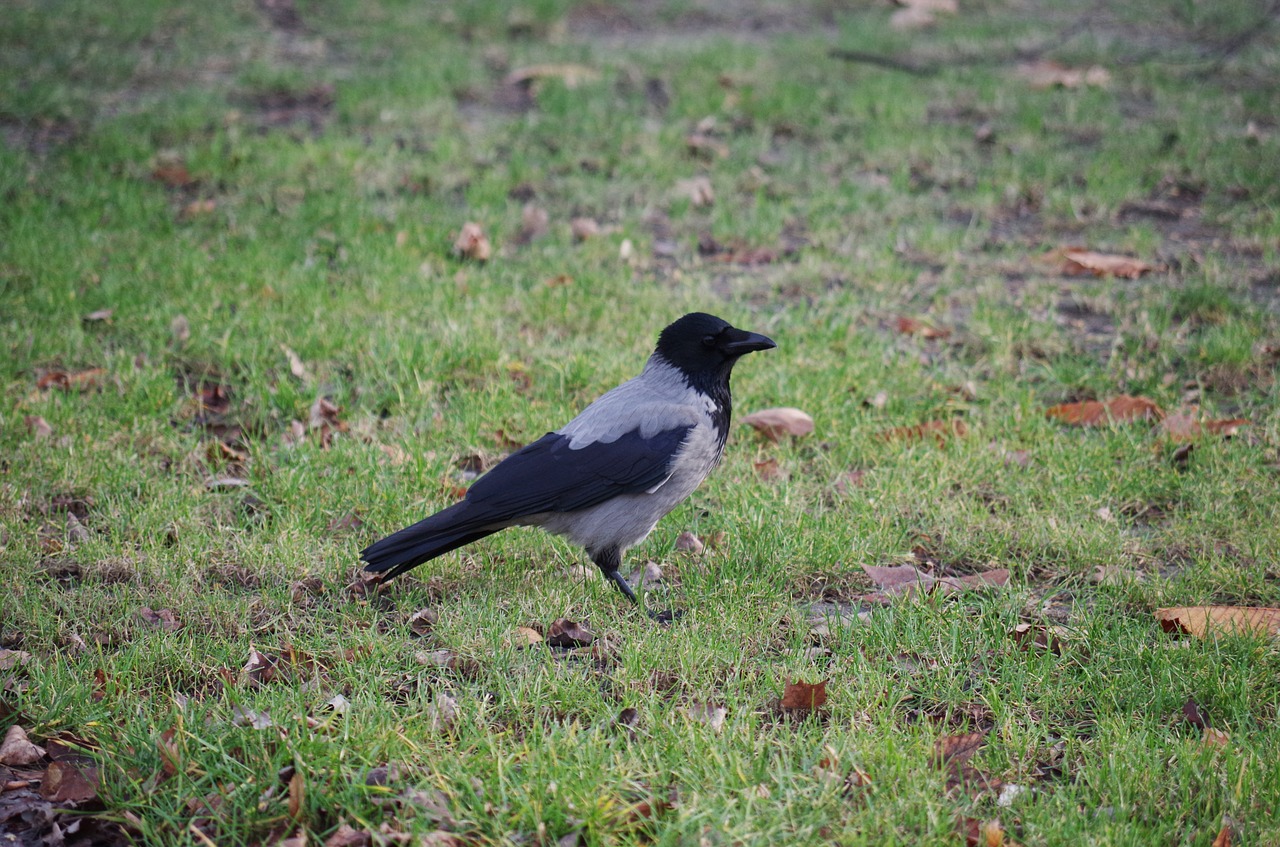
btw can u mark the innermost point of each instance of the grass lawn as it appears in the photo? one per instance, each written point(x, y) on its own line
point(237, 346)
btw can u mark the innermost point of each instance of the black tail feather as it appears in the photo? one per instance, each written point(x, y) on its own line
point(428, 538)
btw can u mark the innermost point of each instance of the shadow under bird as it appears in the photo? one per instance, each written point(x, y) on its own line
point(607, 477)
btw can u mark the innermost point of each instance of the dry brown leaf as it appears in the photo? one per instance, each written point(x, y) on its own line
point(903, 579)
point(472, 243)
point(98, 315)
point(801, 696)
point(1099, 413)
point(17, 750)
point(911, 326)
point(566, 633)
point(65, 782)
point(1204, 621)
point(82, 381)
point(173, 174)
point(707, 713)
point(180, 329)
point(1187, 426)
point(297, 794)
point(584, 228)
point(784, 420)
point(525, 636)
point(687, 542)
point(1215, 737)
point(697, 190)
point(163, 619)
point(1223, 838)
point(345, 836)
point(37, 427)
point(956, 750)
point(701, 144)
point(938, 430)
point(980, 833)
point(1049, 74)
point(349, 522)
point(10, 659)
point(1036, 636)
point(769, 470)
point(423, 621)
point(296, 367)
point(570, 74)
point(1077, 262)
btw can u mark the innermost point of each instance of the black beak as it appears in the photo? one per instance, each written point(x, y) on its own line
point(739, 341)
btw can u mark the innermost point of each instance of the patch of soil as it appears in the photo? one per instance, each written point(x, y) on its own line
point(282, 107)
point(38, 137)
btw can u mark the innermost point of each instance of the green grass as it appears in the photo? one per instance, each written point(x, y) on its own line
point(329, 232)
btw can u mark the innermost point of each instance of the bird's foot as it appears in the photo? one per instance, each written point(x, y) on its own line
point(665, 617)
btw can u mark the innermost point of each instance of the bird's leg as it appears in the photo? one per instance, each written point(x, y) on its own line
point(609, 560)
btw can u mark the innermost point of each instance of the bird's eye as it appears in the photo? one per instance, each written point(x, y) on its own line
point(708, 341)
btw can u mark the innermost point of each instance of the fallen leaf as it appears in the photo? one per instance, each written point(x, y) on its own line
point(769, 470)
point(980, 833)
point(423, 621)
point(689, 543)
point(697, 191)
point(442, 712)
point(99, 315)
point(240, 716)
point(572, 75)
point(173, 174)
point(1215, 737)
point(180, 329)
point(345, 836)
point(296, 367)
point(1099, 413)
point(707, 713)
point(584, 228)
point(17, 750)
point(1187, 426)
point(65, 782)
point(939, 430)
point(258, 669)
point(37, 427)
point(1049, 74)
point(955, 750)
point(472, 243)
point(1203, 621)
point(525, 636)
point(163, 619)
point(10, 659)
point(784, 420)
point(1076, 262)
point(1028, 636)
point(702, 144)
point(297, 794)
point(1191, 712)
point(911, 326)
point(805, 697)
point(81, 381)
point(1223, 838)
point(903, 579)
point(534, 223)
point(566, 633)
point(450, 661)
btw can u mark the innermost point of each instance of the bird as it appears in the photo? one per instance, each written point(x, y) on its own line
point(606, 478)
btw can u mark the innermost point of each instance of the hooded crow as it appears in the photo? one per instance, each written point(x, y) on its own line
point(607, 477)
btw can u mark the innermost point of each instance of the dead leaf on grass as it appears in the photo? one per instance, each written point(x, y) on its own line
point(423, 621)
point(940, 431)
point(1191, 713)
point(1074, 261)
point(775, 423)
point(1215, 738)
point(349, 522)
point(584, 228)
point(1118, 409)
point(707, 146)
point(10, 659)
point(296, 367)
point(442, 712)
point(472, 243)
point(1036, 637)
point(707, 713)
point(1188, 425)
point(572, 75)
point(566, 633)
point(1224, 836)
point(687, 542)
point(1049, 74)
point(163, 619)
point(1205, 621)
point(82, 381)
point(911, 326)
point(903, 579)
point(980, 833)
point(66, 782)
point(17, 750)
point(525, 636)
point(697, 191)
point(803, 697)
point(769, 470)
point(345, 836)
point(173, 174)
point(180, 329)
point(99, 315)
point(37, 427)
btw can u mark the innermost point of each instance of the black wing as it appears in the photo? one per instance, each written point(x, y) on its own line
point(549, 476)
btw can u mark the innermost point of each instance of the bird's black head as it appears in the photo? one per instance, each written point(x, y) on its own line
point(705, 348)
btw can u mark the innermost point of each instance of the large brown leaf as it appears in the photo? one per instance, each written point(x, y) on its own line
point(1203, 621)
point(1099, 413)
